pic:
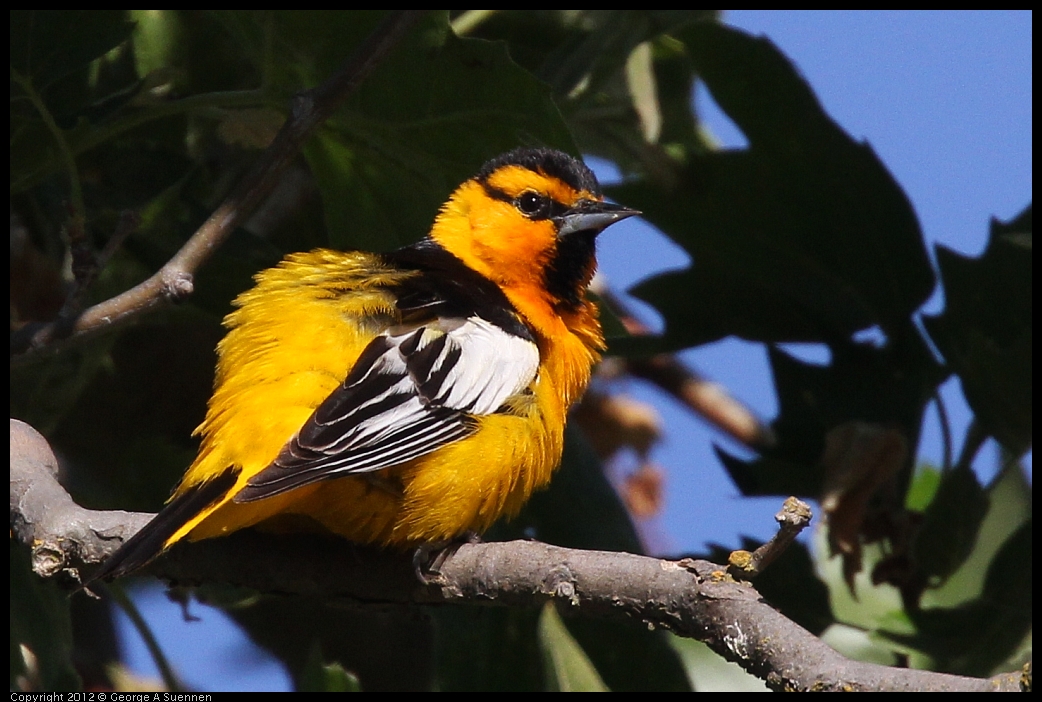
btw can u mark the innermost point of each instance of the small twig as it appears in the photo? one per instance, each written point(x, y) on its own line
point(89, 266)
point(175, 280)
point(971, 446)
point(793, 518)
point(946, 429)
point(709, 400)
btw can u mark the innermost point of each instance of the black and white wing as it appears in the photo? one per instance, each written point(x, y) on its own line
point(410, 392)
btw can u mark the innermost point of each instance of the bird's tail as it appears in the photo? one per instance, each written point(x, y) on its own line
point(152, 540)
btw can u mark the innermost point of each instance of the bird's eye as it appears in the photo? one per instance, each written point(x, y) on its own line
point(533, 204)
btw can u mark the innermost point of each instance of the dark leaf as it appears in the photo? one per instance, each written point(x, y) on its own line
point(47, 45)
point(975, 638)
point(887, 387)
point(421, 125)
point(804, 236)
point(985, 329)
point(950, 527)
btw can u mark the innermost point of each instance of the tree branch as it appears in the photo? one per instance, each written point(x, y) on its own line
point(175, 280)
point(709, 400)
point(696, 599)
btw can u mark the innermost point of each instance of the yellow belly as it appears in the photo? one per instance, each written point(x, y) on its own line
point(291, 343)
point(462, 487)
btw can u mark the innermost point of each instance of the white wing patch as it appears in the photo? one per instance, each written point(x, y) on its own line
point(493, 366)
point(411, 391)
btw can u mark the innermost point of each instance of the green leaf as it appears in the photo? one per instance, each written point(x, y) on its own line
point(47, 45)
point(985, 329)
point(485, 649)
point(583, 55)
point(923, 488)
point(566, 665)
point(804, 236)
point(978, 620)
point(46, 390)
point(974, 638)
point(421, 125)
point(159, 37)
point(887, 387)
point(1009, 507)
point(709, 672)
point(51, 51)
point(319, 676)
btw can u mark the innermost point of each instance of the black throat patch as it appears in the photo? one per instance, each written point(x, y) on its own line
point(571, 268)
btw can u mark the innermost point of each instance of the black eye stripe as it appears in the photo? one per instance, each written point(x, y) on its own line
point(495, 193)
point(556, 209)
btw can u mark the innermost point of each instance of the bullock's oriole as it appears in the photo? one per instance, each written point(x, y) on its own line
point(403, 398)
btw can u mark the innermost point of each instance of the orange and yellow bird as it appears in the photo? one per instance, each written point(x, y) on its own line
point(403, 398)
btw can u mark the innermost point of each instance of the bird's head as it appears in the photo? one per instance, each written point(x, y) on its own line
point(528, 220)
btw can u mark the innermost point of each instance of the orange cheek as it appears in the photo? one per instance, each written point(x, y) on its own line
point(515, 250)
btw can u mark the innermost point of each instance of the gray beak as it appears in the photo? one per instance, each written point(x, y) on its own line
point(591, 216)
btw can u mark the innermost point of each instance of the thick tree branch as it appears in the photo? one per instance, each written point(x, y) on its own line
point(44, 517)
point(692, 598)
point(175, 280)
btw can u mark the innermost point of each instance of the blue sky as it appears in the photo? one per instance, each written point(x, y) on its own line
point(945, 100)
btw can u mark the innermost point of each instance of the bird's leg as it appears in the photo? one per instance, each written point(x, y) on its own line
point(428, 559)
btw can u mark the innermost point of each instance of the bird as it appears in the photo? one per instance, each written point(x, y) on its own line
point(407, 398)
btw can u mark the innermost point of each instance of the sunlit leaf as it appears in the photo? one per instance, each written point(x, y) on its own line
point(566, 666)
